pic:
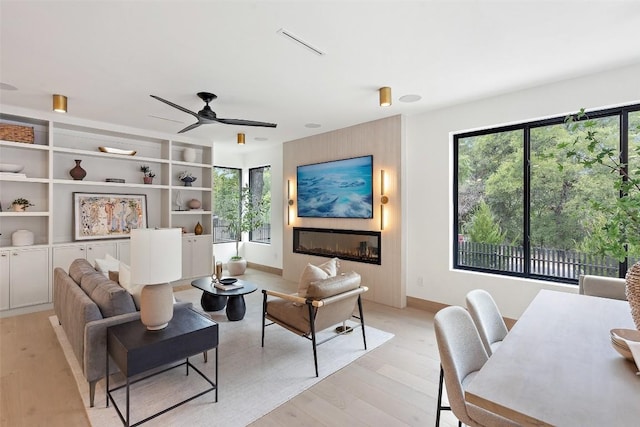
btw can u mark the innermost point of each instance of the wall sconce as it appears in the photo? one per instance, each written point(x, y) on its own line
point(59, 103)
point(240, 138)
point(384, 199)
point(290, 202)
point(385, 96)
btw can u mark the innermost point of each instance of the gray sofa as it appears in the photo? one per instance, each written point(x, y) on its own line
point(86, 302)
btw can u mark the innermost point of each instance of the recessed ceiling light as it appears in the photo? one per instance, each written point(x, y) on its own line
point(7, 86)
point(312, 125)
point(410, 98)
point(261, 138)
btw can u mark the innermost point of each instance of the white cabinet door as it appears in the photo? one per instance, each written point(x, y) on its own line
point(100, 250)
point(4, 279)
point(63, 256)
point(124, 252)
point(197, 256)
point(29, 277)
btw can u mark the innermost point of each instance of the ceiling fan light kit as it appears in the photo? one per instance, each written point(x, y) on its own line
point(59, 103)
point(385, 96)
point(207, 115)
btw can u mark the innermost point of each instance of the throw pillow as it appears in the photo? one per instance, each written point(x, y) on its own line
point(106, 264)
point(124, 274)
point(331, 267)
point(115, 276)
point(311, 273)
point(135, 290)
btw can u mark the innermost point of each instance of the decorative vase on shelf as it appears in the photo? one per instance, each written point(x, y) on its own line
point(22, 238)
point(188, 180)
point(198, 230)
point(194, 204)
point(189, 155)
point(77, 173)
point(147, 179)
point(633, 292)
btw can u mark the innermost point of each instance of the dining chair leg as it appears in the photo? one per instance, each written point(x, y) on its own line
point(440, 407)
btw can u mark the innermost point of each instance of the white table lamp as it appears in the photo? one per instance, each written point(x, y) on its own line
point(156, 259)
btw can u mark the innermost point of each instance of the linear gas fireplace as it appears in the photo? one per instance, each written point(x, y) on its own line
point(353, 245)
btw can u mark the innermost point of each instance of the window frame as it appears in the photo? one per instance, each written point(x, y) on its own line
point(526, 127)
point(214, 212)
point(267, 224)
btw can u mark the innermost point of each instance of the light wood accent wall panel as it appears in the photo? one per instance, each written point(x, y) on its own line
point(382, 139)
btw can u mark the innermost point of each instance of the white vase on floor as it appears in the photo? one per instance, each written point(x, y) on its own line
point(236, 267)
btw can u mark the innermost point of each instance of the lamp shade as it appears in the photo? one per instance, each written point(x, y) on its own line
point(156, 255)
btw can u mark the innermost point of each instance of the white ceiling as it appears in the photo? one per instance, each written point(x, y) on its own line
point(107, 57)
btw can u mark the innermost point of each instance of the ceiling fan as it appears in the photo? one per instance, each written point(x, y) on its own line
point(207, 115)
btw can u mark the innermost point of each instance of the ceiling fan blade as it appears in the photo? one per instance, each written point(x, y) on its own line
point(188, 128)
point(242, 122)
point(175, 106)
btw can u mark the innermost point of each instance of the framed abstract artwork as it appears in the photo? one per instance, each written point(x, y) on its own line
point(107, 215)
point(336, 189)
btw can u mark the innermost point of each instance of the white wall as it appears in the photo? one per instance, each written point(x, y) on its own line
point(428, 207)
point(259, 253)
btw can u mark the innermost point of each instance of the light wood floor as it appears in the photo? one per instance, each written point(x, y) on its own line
point(393, 385)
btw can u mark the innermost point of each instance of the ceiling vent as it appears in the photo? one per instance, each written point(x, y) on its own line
point(289, 35)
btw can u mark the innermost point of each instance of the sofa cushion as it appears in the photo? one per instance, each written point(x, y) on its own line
point(79, 268)
point(333, 285)
point(112, 299)
point(91, 280)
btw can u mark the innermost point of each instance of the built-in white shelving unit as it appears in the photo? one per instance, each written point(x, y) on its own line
point(48, 185)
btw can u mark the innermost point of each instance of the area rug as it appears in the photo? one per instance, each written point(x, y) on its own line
point(252, 380)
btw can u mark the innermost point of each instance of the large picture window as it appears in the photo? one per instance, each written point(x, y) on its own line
point(227, 187)
point(260, 186)
point(526, 205)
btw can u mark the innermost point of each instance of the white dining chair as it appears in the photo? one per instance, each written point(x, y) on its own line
point(487, 318)
point(462, 354)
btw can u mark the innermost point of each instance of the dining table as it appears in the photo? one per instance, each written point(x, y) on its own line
point(557, 366)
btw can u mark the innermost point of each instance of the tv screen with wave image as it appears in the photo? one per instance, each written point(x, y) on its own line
point(336, 189)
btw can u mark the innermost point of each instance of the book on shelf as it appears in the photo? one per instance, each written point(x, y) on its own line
point(228, 287)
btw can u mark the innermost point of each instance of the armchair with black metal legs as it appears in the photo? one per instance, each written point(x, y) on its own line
point(462, 355)
point(328, 303)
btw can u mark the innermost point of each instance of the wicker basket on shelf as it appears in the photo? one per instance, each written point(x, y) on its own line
point(16, 133)
point(633, 292)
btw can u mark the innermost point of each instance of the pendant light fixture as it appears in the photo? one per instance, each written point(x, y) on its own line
point(385, 96)
point(59, 103)
point(240, 138)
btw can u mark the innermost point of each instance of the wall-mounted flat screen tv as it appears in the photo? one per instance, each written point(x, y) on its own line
point(336, 189)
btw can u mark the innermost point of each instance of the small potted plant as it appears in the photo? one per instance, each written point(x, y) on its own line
point(148, 174)
point(187, 178)
point(20, 204)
